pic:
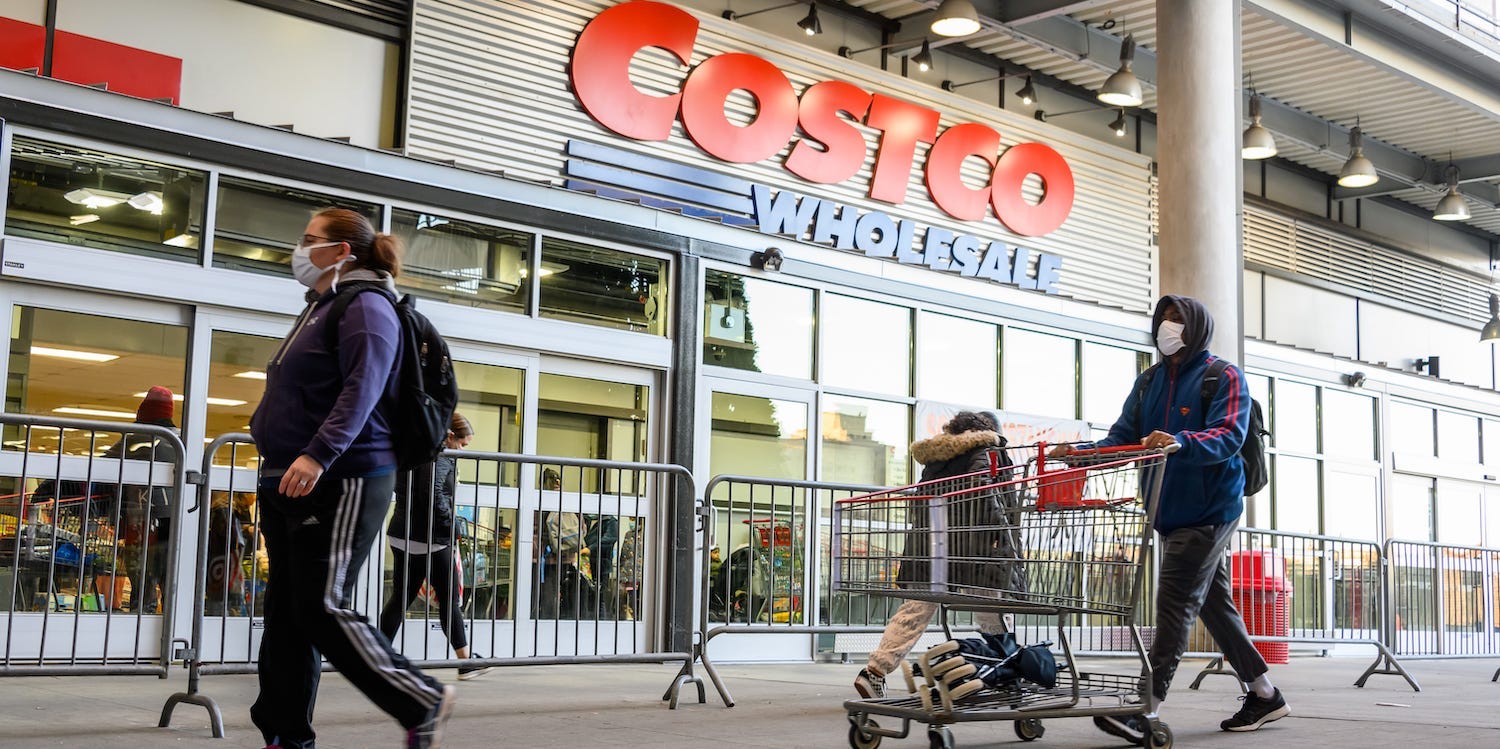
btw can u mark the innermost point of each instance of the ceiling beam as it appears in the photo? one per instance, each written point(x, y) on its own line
point(1030, 11)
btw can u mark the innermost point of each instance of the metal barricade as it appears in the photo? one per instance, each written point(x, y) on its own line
point(88, 560)
point(1445, 600)
point(558, 560)
point(1302, 588)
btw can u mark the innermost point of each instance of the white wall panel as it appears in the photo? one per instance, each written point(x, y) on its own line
point(1308, 317)
point(490, 91)
point(1253, 304)
point(1398, 338)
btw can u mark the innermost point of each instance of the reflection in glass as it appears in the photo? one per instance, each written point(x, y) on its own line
point(1040, 374)
point(257, 225)
point(757, 325)
point(849, 357)
point(579, 417)
point(957, 361)
point(1108, 374)
point(81, 196)
point(1296, 417)
point(486, 556)
point(490, 398)
point(865, 441)
point(236, 382)
point(464, 262)
point(600, 286)
point(1296, 495)
point(589, 567)
point(1348, 425)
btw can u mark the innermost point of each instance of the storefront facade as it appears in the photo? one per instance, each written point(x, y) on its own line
point(691, 282)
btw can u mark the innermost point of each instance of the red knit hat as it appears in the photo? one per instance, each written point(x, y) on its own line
point(156, 406)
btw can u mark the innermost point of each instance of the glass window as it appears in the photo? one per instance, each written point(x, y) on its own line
point(1458, 516)
point(957, 361)
point(1348, 425)
point(757, 325)
point(236, 382)
point(1411, 508)
point(848, 359)
point(1296, 495)
point(90, 367)
point(1295, 417)
point(1411, 429)
point(257, 225)
point(1260, 389)
point(865, 441)
point(1492, 517)
point(490, 398)
point(1108, 374)
point(584, 418)
point(599, 286)
point(86, 197)
point(1458, 437)
point(464, 262)
point(1351, 506)
point(1491, 443)
point(1041, 374)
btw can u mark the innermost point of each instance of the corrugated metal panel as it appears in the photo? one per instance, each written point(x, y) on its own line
point(490, 90)
point(1276, 241)
point(389, 11)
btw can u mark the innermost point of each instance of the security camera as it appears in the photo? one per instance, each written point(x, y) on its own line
point(769, 260)
point(1355, 379)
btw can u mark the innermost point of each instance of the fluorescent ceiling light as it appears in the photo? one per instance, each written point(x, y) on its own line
point(252, 374)
point(102, 413)
point(547, 269)
point(62, 353)
point(87, 218)
point(210, 400)
point(190, 241)
point(149, 201)
point(93, 197)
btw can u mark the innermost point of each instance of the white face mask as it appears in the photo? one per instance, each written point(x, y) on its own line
point(306, 272)
point(1169, 337)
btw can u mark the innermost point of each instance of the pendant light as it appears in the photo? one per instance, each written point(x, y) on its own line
point(955, 18)
point(1257, 142)
point(1452, 207)
point(1491, 330)
point(1358, 171)
point(811, 24)
point(1123, 89)
point(923, 58)
point(1118, 126)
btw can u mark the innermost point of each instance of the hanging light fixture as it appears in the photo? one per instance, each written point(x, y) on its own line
point(1358, 171)
point(1123, 89)
point(1491, 330)
point(923, 58)
point(1257, 142)
point(1119, 124)
point(811, 24)
point(1027, 92)
point(1452, 207)
point(955, 18)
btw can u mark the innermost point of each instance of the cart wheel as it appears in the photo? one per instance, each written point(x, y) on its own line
point(1160, 737)
point(859, 739)
point(1030, 729)
point(940, 738)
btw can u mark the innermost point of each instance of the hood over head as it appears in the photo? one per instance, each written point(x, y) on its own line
point(1197, 325)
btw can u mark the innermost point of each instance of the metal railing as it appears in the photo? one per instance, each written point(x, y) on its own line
point(560, 561)
point(1444, 600)
point(87, 571)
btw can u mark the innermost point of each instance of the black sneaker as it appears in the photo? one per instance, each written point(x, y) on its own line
point(1257, 712)
point(475, 670)
point(429, 734)
point(1131, 728)
point(870, 685)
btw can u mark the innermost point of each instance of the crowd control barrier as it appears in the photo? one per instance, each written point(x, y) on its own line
point(554, 561)
point(88, 577)
point(1300, 588)
point(1445, 600)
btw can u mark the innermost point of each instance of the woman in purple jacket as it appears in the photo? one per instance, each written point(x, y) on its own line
point(323, 430)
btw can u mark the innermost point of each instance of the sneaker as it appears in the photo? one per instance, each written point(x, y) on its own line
point(869, 684)
point(429, 733)
point(1257, 712)
point(472, 671)
point(1132, 728)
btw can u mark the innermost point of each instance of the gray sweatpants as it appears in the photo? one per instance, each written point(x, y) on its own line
point(1194, 582)
point(906, 627)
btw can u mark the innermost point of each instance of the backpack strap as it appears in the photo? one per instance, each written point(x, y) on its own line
point(1211, 383)
point(1143, 381)
point(341, 302)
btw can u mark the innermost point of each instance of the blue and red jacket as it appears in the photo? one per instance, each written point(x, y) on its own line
point(1205, 480)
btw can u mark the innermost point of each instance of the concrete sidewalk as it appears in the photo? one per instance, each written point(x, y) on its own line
point(777, 706)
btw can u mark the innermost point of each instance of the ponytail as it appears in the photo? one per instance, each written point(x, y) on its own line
point(372, 251)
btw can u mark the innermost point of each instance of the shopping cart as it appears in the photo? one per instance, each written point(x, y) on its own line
point(1045, 537)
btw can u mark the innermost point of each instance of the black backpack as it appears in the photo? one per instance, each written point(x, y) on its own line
point(1253, 451)
point(428, 393)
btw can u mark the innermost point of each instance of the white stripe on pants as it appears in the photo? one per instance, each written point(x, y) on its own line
point(907, 626)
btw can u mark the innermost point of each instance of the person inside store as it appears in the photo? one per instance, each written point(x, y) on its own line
point(563, 589)
point(224, 588)
point(424, 547)
point(323, 428)
point(145, 511)
point(1202, 498)
point(964, 447)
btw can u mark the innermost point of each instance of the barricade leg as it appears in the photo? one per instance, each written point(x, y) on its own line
point(1385, 663)
point(193, 697)
point(1215, 667)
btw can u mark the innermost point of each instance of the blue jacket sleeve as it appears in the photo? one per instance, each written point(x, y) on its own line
point(1127, 429)
point(369, 341)
point(1225, 424)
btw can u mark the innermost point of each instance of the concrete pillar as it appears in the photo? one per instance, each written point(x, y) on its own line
point(1198, 150)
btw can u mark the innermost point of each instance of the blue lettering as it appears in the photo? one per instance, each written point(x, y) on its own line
point(993, 266)
point(1018, 263)
point(870, 225)
point(789, 213)
point(965, 255)
point(1047, 266)
point(838, 229)
point(937, 248)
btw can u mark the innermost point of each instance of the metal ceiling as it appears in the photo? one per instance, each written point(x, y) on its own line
point(1309, 75)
